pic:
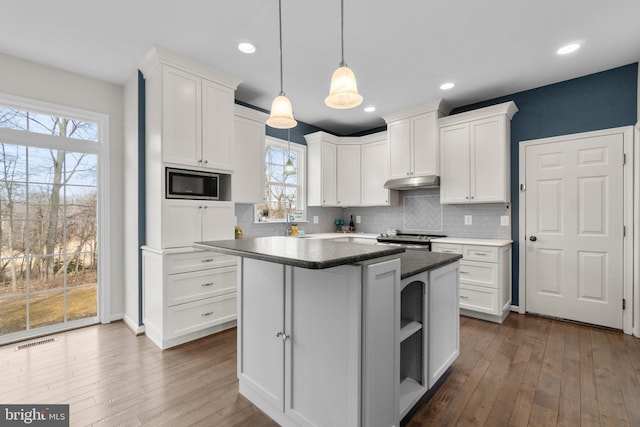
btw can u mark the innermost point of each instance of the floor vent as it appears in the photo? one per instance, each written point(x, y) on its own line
point(35, 343)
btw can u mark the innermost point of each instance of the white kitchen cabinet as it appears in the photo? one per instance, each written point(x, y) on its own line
point(318, 347)
point(188, 294)
point(414, 141)
point(190, 109)
point(348, 171)
point(322, 169)
point(375, 170)
point(196, 220)
point(197, 122)
point(248, 155)
point(485, 276)
point(429, 333)
point(474, 155)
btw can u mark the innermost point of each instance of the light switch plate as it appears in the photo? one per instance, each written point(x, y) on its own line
point(504, 220)
point(467, 220)
point(316, 219)
point(358, 219)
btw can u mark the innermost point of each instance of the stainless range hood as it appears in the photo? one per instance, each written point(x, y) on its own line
point(413, 183)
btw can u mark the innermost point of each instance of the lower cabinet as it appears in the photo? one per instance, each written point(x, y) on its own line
point(429, 331)
point(485, 278)
point(309, 351)
point(187, 294)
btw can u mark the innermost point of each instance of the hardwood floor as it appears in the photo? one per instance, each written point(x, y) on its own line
point(528, 371)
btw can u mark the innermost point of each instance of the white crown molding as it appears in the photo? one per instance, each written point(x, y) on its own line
point(506, 108)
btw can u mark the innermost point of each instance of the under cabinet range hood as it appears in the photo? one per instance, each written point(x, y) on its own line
point(413, 182)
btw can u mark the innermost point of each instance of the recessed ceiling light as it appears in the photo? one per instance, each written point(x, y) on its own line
point(246, 47)
point(564, 50)
point(447, 85)
point(370, 109)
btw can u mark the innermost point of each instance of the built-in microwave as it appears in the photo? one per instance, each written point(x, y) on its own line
point(190, 184)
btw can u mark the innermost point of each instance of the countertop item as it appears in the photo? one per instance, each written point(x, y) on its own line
point(413, 262)
point(466, 241)
point(300, 252)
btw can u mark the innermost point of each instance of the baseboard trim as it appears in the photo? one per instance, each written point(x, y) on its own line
point(515, 308)
point(133, 325)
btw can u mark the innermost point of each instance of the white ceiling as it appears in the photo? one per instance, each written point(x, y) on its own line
point(401, 51)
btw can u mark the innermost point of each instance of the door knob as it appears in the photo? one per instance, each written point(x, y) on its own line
point(533, 238)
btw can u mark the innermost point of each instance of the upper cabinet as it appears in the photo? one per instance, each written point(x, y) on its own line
point(194, 122)
point(414, 140)
point(348, 171)
point(248, 155)
point(474, 155)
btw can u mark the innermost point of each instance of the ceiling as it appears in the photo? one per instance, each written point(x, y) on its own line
point(400, 51)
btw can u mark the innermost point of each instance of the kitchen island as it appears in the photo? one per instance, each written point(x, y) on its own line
point(333, 333)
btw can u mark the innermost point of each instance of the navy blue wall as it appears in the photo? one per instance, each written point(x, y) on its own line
point(297, 133)
point(597, 101)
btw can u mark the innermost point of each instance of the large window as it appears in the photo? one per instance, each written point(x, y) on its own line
point(49, 188)
point(284, 192)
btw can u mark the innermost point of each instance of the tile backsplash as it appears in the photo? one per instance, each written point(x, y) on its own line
point(419, 211)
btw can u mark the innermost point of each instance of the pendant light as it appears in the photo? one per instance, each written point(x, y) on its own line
point(281, 111)
point(289, 169)
point(344, 89)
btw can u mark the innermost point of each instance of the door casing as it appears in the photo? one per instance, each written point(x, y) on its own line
point(630, 286)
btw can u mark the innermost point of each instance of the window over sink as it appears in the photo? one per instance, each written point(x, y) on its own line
point(284, 193)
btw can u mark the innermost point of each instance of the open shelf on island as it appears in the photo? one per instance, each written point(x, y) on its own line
point(408, 327)
point(410, 392)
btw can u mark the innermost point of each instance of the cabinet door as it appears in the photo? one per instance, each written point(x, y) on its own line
point(322, 353)
point(489, 162)
point(400, 153)
point(181, 113)
point(261, 316)
point(217, 125)
point(348, 175)
point(426, 147)
point(218, 220)
point(454, 164)
point(444, 320)
point(248, 157)
point(329, 195)
point(182, 223)
point(375, 170)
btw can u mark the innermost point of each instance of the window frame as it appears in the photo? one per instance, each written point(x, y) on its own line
point(101, 146)
point(301, 181)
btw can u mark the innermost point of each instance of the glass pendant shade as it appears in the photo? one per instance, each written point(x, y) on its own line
point(289, 169)
point(281, 113)
point(344, 90)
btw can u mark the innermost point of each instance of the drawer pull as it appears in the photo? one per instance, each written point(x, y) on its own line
point(464, 272)
point(204, 285)
point(207, 260)
point(446, 251)
point(480, 254)
point(464, 297)
point(207, 314)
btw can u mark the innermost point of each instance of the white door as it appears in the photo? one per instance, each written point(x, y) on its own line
point(574, 229)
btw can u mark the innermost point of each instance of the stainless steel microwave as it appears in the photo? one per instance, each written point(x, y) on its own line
point(194, 185)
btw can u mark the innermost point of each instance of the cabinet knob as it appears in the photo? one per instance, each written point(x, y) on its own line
point(199, 160)
point(199, 207)
point(206, 161)
point(472, 197)
point(467, 197)
point(206, 207)
point(408, 173)
point(282, 335)
point(533, 238)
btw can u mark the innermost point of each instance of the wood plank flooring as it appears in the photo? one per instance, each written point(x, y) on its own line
point(527, 371)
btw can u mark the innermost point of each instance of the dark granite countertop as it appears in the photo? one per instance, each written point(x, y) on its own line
point(417, 261)
point(305, 253)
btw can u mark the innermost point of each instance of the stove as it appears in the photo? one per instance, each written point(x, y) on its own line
point(408, 240)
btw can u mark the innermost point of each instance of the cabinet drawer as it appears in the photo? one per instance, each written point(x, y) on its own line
point(194, 261)
point(480, 253)
point(479, 273)
point(478, 298)
point(447, 248)
point(186, 287)
point(191, 317)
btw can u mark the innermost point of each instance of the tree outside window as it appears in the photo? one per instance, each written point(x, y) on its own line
point(284, 193)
